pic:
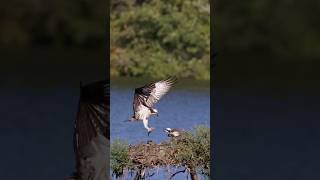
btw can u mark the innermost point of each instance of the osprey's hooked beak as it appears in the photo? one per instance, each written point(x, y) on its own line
point(155, 111)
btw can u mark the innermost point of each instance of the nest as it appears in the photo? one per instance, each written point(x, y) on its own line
point(150, 155)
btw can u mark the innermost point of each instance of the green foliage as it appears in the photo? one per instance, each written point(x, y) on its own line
point(194, 149)
point(150, 31)
point(160, 38)
point(63, 23)
point(119, 156)
point(278, 27)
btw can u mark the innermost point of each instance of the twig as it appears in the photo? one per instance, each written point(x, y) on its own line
point(182, 171)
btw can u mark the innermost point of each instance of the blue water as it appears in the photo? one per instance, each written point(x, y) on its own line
point(36, 133)
point(266, 134)
point(180, 108)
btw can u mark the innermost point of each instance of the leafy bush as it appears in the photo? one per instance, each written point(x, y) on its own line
point(194, 149)
point(119, 156)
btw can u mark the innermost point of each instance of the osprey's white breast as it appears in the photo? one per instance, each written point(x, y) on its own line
point(143, 112)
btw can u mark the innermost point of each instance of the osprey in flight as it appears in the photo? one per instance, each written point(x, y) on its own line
point(91, 135)
point(145, 97)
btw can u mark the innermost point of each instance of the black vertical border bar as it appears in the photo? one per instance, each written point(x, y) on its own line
point(107, 60)
point(107, 67)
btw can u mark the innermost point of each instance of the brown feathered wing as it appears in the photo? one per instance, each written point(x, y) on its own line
point(151, 93)
point(92, 118)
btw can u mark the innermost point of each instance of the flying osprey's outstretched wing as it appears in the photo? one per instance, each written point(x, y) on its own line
point(149, 94)
point(159, 89)
point(92, 129)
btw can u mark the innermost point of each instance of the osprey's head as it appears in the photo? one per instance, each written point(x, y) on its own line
point(150, 130)
point(172, 132)
point(167, 130)
point(154, 111)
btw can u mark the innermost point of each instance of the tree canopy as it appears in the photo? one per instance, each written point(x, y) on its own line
point(160, 38)
point(280, 28)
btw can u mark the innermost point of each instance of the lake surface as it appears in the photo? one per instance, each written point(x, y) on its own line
point(39, 92)
point(36, 132)
point(180, 108)
point(266, 134)
point(36, 129)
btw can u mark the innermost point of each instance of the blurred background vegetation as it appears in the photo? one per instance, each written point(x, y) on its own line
point(271, 39)
point(285, 28)
point(159, 38)
point(53, 23)
point(267, 43)
point(53, 42)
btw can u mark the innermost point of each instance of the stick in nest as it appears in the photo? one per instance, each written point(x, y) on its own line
point(182, 171)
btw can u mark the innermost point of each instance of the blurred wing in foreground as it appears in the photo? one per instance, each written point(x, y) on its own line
point(93, 114)
point(91, 136)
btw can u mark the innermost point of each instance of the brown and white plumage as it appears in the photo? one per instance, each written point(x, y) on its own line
point(159, 89)
point(145, 97)
point(91, 135)
point(174, 132)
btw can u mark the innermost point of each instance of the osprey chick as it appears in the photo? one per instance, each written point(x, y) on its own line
point(173, 132)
